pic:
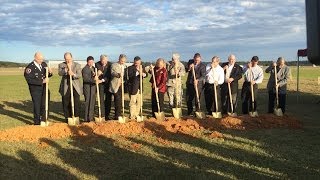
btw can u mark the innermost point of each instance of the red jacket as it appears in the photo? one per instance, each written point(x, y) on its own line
point(161, 79)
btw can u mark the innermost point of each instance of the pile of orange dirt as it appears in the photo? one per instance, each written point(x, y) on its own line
point(152, 126)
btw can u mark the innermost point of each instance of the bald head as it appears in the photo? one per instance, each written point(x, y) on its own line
point(231, 59)
point(38, 57)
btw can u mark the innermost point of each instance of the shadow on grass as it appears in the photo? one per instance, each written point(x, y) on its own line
point(28, 167)
point(103, 158)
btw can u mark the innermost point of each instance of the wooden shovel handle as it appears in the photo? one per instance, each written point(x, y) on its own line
point(196, 87)
point(155, 86)
point(98, 93)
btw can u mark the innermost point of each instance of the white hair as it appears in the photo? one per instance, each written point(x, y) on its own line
point(176, 56)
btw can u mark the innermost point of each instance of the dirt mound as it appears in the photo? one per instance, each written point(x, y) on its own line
point(152, 126)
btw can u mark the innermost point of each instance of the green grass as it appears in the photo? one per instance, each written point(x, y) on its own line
point(254, 154)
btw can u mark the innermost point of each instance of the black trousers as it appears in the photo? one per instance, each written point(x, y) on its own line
point(89, 92)
point(225, 99)
point(102, 99)
point(154, 102)
point(272, 101)
point(107, 103)
point(209, 93)
point(191, 95)
point(247, 97)
point(117, 103)
point(66, 104)
point(38, 99)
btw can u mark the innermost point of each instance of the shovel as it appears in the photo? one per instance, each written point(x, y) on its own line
point(216, 114)
point(198, 113)
point(122, 119)
point(141, 117)
point(72, 121)
point(232, 113)
point(98, 119)
point(253, 113)
point(159, 115)
point(46, 122)
point(277, 111)
point(177, 112)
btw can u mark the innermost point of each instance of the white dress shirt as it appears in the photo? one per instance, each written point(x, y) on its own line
point(214, 74)
point(256, 74)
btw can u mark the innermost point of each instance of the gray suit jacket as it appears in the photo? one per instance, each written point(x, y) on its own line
point(283, 75)
point(115, 82)
point(171, 74)
point(64, 85)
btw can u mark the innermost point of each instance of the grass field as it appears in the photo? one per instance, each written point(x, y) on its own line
point(252, 154)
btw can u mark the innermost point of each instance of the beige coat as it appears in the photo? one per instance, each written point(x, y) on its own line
point(64, 85)
point(115, 82)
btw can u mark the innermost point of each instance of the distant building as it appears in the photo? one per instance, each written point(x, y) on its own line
point(55, 63)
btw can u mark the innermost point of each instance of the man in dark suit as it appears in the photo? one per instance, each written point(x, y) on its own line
point(89, 89)
point(233, 73)
point(134, 87)
point(104, 75)
point(35, 75)
point(200, 73)
point(65, 70)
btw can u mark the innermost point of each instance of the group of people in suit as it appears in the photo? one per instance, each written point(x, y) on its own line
point(212, 79)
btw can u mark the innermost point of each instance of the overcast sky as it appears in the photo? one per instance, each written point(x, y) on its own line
point(151, 29)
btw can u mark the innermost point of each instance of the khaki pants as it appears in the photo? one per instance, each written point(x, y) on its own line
point(171, 90)
point(135, 105)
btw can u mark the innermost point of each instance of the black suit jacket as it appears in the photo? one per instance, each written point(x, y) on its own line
point(106, 73)
point(200, 72)
point(236, 74)
point(134, 80)
point(34, 76)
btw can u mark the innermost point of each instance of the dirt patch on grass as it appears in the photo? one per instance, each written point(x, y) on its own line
point(150, 127)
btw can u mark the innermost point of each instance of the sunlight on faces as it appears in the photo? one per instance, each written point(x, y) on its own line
point(232, 59)
point(160, 63)
point(215, 61)
point(197, 60)
point(122, 60)
point(68, 58)
point(38, 57)
point(280, 61)
point(104, 59)
point(137, 63)
point(175, 58)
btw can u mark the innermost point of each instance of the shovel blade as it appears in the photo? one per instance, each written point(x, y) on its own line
point(73, 121)
point(122, 119)
point(200, 115)
point(99, 120)
point(216, 115)
point(232, 114)
point(278, 112)
point(254, 114)
point(177, 113)
point(140, 118)
point(160, 116)
point(44, 123)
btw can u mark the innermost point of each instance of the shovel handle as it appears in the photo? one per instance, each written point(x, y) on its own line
point(141, 98)
point(122, 91)
point(98, 93)
point(196, 87)
point(277, 88)
point(47, 94)
point(71, 93)
point(155, 86)
point(252, 93)
point(215, 97)
point(230, 97)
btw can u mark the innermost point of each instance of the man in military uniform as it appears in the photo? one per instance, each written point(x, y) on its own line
point(35, 75)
